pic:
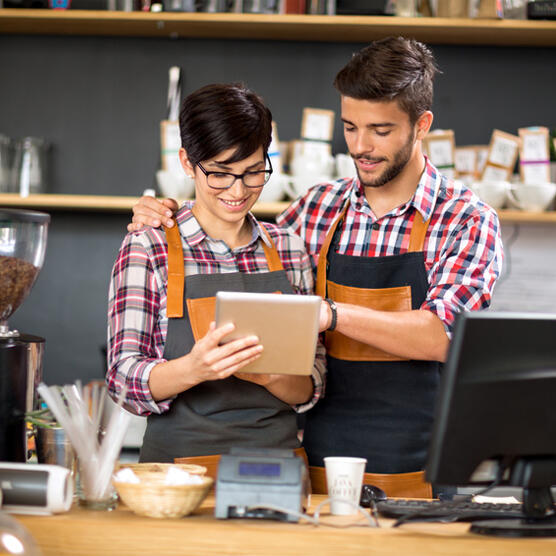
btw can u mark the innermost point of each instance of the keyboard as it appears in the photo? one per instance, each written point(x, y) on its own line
point(438, 510)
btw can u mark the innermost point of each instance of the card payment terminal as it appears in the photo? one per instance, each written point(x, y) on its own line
point(250, 479)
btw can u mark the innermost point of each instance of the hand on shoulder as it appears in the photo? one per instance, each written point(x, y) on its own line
point(149, 211)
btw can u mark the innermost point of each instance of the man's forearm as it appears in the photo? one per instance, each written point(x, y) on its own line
point(416, 334)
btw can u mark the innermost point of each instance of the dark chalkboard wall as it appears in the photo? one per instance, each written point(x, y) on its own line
point(99, 101)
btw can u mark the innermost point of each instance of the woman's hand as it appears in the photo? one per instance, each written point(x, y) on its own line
point(149, 211)
point(208, 360)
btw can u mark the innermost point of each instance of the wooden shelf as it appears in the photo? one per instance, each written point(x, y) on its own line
point(99, 203)
point(520, 216)
point(505, 32)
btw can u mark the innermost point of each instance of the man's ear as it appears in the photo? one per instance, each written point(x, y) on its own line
point(423, 124)
point(185, 163)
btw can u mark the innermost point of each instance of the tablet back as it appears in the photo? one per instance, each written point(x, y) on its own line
point(286, 325)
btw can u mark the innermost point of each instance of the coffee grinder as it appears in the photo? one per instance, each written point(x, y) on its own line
point(23, 237)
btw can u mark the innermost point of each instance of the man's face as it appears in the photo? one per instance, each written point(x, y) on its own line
point(379, 137)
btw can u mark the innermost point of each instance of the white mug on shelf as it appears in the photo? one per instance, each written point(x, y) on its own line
point(534, 197)
point(308, 170)
point(297, 186)
point(345, 166)
point(493, 193)
point(309, 165)
point(175, 185)
point(275, 188)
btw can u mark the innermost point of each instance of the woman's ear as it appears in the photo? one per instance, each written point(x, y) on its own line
point(424, 123)
point(186, 164)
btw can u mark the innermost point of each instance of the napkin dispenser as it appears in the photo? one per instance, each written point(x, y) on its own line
point(261, 483)
point(39, 489)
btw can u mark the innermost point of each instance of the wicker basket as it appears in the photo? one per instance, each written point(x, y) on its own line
point(152, 498)
point(141, 468)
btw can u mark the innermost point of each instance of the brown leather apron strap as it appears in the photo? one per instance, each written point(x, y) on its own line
point(418, 233)
point(271, 253)
point(176, 273)
point(416, 243)
point(400, 485)
point(211, 462)
point(320, 286)
point(390, 299)
point(176, 278)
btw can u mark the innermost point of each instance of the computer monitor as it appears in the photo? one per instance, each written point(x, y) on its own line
point(497, 403)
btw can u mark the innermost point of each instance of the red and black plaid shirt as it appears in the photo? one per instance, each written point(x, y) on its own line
point(463, 246)
point(137, 321)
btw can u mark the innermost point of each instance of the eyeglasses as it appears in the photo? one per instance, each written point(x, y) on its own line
point(225, 180)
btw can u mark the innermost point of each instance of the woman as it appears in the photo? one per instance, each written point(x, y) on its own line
point(161, 344)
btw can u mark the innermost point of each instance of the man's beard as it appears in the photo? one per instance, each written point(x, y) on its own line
point(401, 158)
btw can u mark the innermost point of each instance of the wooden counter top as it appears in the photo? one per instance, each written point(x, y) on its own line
point(83, 532)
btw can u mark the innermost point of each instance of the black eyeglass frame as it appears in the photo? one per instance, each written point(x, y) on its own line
point(239, 176)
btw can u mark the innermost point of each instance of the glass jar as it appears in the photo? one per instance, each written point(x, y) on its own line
point(29, 168)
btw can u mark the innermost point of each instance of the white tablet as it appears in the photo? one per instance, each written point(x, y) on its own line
point(286, 325)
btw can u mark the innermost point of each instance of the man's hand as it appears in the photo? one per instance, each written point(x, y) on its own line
point(149, 211)
point(325, 317)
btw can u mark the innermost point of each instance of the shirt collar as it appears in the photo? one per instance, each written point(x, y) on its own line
point(193, 233)
point(423, 199)
point(426, 193)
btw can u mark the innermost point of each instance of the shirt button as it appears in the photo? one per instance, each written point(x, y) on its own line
point(376, 226)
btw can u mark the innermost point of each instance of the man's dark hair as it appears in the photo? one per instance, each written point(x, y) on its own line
point(222, 116)
point(394, 68)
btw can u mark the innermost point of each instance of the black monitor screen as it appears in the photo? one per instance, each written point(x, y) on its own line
point(497, 400)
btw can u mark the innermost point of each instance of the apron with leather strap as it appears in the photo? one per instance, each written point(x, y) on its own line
point(215, 415)
point(377, 405)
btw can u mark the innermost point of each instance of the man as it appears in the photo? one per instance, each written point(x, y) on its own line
point(398, 252)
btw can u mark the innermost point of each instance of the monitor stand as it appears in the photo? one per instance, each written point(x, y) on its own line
point(540, 520)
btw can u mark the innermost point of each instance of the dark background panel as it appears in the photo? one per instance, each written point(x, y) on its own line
point(99, 100)
point(68, 304)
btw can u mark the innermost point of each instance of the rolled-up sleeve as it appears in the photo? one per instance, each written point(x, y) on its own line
point(463, 276)
point(135, 331)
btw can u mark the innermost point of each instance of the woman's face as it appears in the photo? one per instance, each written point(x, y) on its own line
point(225, 205)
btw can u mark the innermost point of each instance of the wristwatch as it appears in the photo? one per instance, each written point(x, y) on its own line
point(334, 312)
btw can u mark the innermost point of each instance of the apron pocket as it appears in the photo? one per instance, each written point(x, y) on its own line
point(201, 314)
point(383, 299)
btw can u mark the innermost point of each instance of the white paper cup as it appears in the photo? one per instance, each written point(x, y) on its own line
point(344, 478)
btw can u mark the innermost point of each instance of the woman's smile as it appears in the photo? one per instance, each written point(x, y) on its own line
point(234, 204)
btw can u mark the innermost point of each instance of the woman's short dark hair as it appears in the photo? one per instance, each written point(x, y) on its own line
point(222, 116)
point(394, 68)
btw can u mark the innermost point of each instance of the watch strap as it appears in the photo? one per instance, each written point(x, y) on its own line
point(334, 312)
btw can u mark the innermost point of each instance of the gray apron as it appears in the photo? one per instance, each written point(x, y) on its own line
point(215, 415)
